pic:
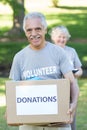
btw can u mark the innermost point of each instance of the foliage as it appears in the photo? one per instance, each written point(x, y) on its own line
point(81, 51)
point(7, 51)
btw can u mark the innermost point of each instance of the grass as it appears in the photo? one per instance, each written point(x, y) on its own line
point(81, 110)
point(82, 105)
point(3, 124)
point(73, 17)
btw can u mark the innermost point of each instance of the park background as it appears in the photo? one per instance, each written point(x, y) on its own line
point(70, 13)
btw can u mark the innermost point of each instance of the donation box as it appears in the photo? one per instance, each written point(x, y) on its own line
point(37, 102)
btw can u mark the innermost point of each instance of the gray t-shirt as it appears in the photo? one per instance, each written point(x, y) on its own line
point(48, 63)
point(73, 57)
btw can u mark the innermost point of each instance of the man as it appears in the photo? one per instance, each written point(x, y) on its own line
point(42, 60)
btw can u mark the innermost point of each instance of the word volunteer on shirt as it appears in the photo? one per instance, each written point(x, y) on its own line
point(39, 72)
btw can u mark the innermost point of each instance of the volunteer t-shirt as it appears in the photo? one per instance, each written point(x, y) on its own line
point(50, 62)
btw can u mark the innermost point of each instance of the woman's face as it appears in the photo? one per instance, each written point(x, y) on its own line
point(60, 39)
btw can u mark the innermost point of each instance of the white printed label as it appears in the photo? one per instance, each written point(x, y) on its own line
point(36, 100)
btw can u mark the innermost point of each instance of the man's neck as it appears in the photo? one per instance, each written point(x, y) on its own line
point(38, 47)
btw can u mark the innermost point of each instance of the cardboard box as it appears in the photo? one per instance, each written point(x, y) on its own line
point(37, 102)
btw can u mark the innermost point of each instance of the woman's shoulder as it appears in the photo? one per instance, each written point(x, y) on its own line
point(68, 48)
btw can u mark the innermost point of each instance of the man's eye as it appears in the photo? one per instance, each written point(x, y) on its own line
point(38, 29)
point(29, 30)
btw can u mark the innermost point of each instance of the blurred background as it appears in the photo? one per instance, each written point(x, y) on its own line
point(70, 13)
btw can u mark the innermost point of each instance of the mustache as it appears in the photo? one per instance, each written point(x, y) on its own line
point(34, 37)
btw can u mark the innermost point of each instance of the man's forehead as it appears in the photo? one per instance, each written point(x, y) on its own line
point(35, 20)
point(33, 23)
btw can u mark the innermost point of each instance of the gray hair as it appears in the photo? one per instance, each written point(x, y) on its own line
point(35, 15)
point(62, 29)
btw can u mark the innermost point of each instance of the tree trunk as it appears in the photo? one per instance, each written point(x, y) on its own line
point(55, 3)
point(18, 15)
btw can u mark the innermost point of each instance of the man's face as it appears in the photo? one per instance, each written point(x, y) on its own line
point(35, 33)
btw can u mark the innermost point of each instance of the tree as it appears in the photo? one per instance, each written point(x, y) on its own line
point(18, 15)
point(55, 3)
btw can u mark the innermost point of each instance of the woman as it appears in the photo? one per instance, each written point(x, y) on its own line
point(60, 36)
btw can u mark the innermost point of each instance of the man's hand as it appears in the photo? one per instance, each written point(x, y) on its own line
point(71, 112)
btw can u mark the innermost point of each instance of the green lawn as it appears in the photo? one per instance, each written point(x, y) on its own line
point(81, 110)
point(82, 106)
point(74, 18)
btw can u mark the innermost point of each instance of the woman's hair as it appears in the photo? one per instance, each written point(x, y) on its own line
point(35, 15)
point(62, 29)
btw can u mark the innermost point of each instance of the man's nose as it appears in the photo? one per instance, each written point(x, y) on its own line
point(33, 32)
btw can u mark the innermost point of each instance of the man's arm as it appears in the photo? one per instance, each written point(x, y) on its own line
point(78, 73)
point(74, 94)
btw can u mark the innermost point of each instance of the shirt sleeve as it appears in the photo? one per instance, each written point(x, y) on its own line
point(15, 70)
point(65, 64)
point(77, 62)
